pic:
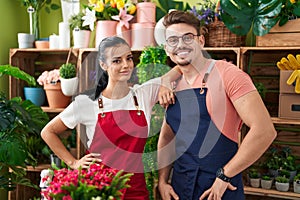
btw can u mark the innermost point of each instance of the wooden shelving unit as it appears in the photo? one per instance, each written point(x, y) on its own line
point(271, 193)
point(258, 62)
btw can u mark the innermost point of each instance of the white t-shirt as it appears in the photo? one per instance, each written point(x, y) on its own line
point(83, 110)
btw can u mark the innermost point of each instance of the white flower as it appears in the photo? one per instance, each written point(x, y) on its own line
point(89, 18)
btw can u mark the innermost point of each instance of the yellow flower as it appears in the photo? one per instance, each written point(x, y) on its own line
point(113, 3)
point(131, 9)
point(293, 1)
point(120, 4)
point(93, 1)
point(99, 6)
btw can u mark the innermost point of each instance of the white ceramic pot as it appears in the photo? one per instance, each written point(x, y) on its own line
point(266, 184)
point(255, 182)
point(25, 40)
point(69, 86)
point(81, 38)
point(283, 187)
point(296, 187)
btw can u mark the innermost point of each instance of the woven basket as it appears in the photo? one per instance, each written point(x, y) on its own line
point(218, 35)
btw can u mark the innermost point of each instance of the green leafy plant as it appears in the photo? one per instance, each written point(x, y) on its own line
point(67, 71)
point(297, 178)
point(76, 22)
point(253, 173)
point(20, 122)
point(259, 16)
point(281, 179)
point(153, 60)
point(17, 73)
point(266, 178)
point(290, 10)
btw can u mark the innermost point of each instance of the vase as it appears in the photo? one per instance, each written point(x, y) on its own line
point(146, 12)
point(266, 184)
point(69, 86)
point(35, 94)
point(25, 40)
point(55, 97)
point(81, 38)
point(124, 33)
point(105, 28)
point(35, 23)
point(69, 8)
point(142, 35)
point(283, 187)
point(296, 187)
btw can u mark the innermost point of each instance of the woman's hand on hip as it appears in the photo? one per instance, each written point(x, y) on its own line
point(86, 161)
point(167, 192)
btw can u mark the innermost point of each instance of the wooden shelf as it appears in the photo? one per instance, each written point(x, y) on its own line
point(271, 193)
point(277, 120)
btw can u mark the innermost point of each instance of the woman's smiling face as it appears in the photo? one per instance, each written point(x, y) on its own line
point(119, 63)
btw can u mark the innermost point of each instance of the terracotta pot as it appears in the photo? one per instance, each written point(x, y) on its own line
point(146, 12)
point(142, 35)
point(105, 28)
point(55, 97)
point(41, 44)
point(124, 33)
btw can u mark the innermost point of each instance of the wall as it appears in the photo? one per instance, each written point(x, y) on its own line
point(14, 19)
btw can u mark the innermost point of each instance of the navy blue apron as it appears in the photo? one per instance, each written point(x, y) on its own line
point(201, 149)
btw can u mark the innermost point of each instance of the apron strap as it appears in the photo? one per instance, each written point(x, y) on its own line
point(136, 104)
point(204, 80)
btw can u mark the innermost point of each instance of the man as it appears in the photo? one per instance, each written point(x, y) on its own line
point(199, 137)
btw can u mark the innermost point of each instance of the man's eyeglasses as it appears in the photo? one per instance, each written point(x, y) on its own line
point(186, 38)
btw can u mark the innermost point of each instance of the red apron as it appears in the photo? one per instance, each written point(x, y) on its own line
point(120, 137)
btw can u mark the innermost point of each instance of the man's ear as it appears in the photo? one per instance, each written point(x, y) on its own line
point(103, 66)
point(202, 40)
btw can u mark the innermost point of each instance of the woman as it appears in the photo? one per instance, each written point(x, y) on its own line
point(117, 119)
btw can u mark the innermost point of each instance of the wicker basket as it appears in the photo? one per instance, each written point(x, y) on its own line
point(218, 35)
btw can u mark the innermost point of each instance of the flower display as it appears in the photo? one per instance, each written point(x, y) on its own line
point(290, 10)
point(122, 10)
point(96, 182)
point(206, 11)
point(49, 77)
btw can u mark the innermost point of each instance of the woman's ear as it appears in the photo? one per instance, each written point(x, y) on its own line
point(103, 66)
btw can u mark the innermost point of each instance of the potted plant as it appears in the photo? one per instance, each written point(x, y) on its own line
point(103, 12)
point(289, 163)
point(153, 63)
point(254, 178)
point(52, 85)
point(282, 183)
point(296, 184)
point(33, 7)
point(81, 32)
point(19, 122)
point(257, 17)
point(35, 94)
point(266, 182)
point(69, 81)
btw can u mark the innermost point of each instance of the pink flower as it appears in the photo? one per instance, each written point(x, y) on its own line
point(49, 77)
point(123, 17)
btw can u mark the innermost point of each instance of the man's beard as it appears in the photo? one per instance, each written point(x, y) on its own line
point(184, 63)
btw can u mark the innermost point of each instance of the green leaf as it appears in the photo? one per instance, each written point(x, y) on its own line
point(17, 73)
point(241, 16)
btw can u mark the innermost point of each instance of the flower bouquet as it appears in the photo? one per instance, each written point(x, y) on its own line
point(96, 182)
